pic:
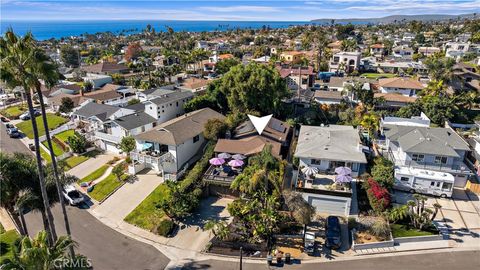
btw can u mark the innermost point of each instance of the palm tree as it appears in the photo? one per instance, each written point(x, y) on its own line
point(437, 207)
point(17, 68)
point(219, 228)
point(36, 253)
point(370, 123)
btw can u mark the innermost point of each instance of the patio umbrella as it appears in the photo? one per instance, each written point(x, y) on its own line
point(343, 170)
point(238, 157)
point(343, 178)
point(310, 170)
point(235, 163)
point(217, 161)
point(224, 155)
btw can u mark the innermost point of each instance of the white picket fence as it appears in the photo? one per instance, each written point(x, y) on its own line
point(60, 129)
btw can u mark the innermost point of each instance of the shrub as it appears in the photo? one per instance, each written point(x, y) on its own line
point(78, 143)
point(378, 196)
point(164, 227)
point(352, 223)
point(383, 172)
point(380, 229)
point(194, 176)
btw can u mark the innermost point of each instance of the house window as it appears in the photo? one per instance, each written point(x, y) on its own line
point(177, 103)
point(315, 162)
point(404, 179)
point(418, 157)
point(432, 184)
point(440, 160)
point(196, 138)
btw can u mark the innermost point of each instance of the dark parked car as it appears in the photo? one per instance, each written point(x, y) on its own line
point(13, 132)
point(4, 119)
point(333, 233)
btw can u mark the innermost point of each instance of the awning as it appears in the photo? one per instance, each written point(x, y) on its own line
point(147, 145)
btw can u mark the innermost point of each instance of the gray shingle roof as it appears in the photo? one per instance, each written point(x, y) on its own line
point(135, 120)
point(334, 142)
point(102, 111)
point(426, 140)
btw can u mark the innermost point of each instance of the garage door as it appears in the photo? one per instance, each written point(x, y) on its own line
point(111, 148)
point(333, 206)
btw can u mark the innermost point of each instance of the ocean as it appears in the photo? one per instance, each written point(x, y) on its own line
point(43, 30)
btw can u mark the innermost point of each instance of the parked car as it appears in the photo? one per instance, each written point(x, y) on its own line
point(26, 115)
point(13, 132)
point(9, 126)
point(31, 146)
point(333, 233)
point(4, 119)
point(310, 245)
point(73, 196)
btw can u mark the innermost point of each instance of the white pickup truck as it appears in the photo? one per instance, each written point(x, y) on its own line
point(72, 196)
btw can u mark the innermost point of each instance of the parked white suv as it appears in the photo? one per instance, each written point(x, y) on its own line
point(26, 115)
point(73, 196)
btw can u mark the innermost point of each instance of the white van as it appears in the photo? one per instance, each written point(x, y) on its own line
point(424, 181)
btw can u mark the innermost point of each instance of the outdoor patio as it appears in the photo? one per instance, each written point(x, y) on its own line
point(221, 171)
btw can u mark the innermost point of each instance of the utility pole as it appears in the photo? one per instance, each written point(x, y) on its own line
point(241, 257)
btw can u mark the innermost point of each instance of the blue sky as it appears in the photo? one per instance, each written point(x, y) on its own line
point(278, 10)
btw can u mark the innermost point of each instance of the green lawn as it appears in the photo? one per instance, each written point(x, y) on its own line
point(46, 156)
point(7, 239)
point(146, 215)
point(94, 175)
point(400, 230)
point(14, 111)
point(63, 136)
point(378, 75)
point(57, 150)
point(105, 187)
point(75, 160)
point(53, 122)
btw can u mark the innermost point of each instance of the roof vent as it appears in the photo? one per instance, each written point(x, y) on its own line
point(428, 139)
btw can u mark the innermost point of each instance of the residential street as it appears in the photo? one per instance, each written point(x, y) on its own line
point(437, 261)
point(106, 248)
point(10, 145)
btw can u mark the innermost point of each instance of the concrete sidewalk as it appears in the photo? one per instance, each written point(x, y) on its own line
point(415, 246)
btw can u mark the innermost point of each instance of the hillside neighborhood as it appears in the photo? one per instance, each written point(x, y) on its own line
point(316, 142)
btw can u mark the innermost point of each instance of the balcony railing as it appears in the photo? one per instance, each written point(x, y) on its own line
point(158, 160)
point(216, 175)
point(107, 137)
point(322, 183)
point(457, 167)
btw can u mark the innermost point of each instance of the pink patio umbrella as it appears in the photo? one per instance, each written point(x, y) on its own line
point(224, 155)
point(217, 161)
point(343, 170)
point(235, 163)
point(343, 178)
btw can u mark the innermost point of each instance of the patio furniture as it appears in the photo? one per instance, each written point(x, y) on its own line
point(227, 169)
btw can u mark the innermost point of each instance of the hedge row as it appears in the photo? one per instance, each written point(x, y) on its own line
point(194, 177)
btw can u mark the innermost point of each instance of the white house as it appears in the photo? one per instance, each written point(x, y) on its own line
point(97, 80)
point(434, 149)
point(345, 62)
point(167, 106)
point(403, 52)
point(94, 115)
point(326, 148)
point(173, 145)
point(429, 51)
point(456, 49)
point(402, 85)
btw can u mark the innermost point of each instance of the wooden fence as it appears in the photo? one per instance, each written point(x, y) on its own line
point(473, 187)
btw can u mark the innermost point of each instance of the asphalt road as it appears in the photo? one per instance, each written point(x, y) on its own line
point(432, 261)
point(106, 248)
point(10, 145)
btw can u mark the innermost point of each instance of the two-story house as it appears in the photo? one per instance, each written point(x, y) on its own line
point(169, 148)
point(167, 106)
point(325, 148)
point(434, 149)
point(297, 77)
point(345, 62)
point(403, 52)
point(292, 57)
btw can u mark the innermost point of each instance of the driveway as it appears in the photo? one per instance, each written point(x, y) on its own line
point(461, 212)
point(90, 165)
point(191, 235)
point(125, 199)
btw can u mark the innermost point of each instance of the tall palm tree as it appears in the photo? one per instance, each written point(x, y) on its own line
point(21, 65)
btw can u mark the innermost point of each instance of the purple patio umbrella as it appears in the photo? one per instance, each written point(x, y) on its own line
point(224, 155)
point(235, 163)
point(217, 161)
point(343, 171)
point(343, 178)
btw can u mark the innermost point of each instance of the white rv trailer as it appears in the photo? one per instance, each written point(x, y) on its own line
point(424, 181)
